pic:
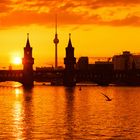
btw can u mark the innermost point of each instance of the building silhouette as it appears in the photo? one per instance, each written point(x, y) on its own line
point(83, 63)
point(126, 61)
point(28, 62)
point(69, 61)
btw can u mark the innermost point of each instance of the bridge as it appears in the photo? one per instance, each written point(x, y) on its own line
point(69, 75)
point(39, 76)
point(11, 75)
point(56, 77)
point(105, 78)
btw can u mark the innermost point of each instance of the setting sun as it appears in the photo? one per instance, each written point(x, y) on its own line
point(17, 60)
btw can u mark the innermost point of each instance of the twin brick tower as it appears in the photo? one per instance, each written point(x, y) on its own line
point(28, 62)
point(69, 61)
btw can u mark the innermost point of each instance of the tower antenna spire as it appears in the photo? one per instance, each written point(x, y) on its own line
point(56, 41)
point(56, 24)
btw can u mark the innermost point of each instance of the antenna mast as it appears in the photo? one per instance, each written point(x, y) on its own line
point(56, 41)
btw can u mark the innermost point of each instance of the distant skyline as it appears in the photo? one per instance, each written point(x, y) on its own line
point(98, 28)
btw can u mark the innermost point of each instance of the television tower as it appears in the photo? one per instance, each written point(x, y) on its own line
point(56, 41)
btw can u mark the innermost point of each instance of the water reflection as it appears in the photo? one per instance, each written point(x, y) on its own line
point(47, 112)
point(18, 91)
point(22, 114)
point(10, 84)
point(17, 115)
point(69, 113)
point(125, 118)
point(28, 120)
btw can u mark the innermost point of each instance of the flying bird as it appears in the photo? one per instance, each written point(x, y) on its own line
point(107, 98)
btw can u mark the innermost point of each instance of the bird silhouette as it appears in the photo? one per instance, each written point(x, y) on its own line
point(107, 98)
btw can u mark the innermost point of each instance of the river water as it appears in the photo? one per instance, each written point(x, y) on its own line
point(60, 113)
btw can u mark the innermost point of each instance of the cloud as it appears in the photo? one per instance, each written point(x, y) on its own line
point(102, 12)
point(130, 20)
point(5, 6)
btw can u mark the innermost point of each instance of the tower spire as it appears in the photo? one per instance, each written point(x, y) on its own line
point(69, 35)
point(69, 44)
point(27, 35)
point(28, 42)
point(56, 41)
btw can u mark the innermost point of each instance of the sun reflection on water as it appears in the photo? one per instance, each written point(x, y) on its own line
point(17, 116)
point(18, 91)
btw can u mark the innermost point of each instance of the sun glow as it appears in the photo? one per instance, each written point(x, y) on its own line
point(17, 60)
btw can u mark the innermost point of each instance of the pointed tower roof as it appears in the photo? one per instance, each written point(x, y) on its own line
point(28, 42)
point(69, 44)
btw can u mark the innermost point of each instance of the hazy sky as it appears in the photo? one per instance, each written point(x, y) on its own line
point(98, 27)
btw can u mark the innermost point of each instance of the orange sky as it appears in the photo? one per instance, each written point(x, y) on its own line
point(98, 27)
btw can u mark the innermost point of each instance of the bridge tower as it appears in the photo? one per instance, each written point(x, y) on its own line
point(28, 62)
point(69, 61)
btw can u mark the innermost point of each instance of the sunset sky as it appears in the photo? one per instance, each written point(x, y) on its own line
point(98, 28)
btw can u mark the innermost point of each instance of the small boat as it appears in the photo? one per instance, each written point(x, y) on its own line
point(43, 84)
